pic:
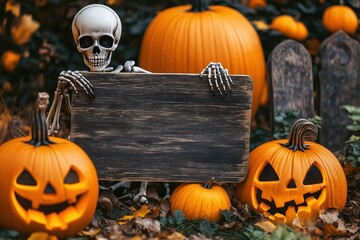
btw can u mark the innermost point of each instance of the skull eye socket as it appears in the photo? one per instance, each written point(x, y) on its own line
point(25, 178)
point(72, 177)
point(106, 41)
point(268, 174)
point(86, 41)
point(313, 176)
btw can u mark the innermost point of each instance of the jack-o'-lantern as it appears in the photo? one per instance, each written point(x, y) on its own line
point(48, 184)
point(293, 178)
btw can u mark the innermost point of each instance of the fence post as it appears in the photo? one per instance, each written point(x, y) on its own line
point(339, 85)
point(290, 80)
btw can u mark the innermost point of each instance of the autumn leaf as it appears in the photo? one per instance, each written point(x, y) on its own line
point(13, 7)
point(9, 60)
point(261, 25)
point(23, 28)
point(151, 225)
point(267, 226)
point(140, 213)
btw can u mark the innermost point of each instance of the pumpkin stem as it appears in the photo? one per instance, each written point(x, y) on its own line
point(300, 131)
point(208, 183)
point(199, 6)
point(39, 130)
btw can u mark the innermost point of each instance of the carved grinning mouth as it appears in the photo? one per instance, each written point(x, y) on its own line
point(273, 209)
point(46, 209)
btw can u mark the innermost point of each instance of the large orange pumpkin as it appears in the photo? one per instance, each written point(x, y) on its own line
point(340, 17)
point(293, 178)
point(48, 184)
point(200, 201)
point(185, 39)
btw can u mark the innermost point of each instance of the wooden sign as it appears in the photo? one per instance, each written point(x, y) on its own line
point(164, 127)
point(340, 85)
point(290, 80)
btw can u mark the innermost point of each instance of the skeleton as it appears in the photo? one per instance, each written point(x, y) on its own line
point(96, 30)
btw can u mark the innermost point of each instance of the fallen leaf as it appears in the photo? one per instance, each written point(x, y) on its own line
point(267, 226)
point(23, 29)
point(176, 236)
point(91, 233)
point(13, 7)
point(9, 60)
point(329, 215)
point(142, 212)
point(148, 224)
point(261, 25)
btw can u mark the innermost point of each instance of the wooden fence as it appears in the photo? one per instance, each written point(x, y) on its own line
point(291, 84)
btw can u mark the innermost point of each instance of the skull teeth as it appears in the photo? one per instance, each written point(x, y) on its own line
point(98, 61)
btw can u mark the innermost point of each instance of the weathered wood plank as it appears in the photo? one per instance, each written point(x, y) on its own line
point(340, 85)
point(290, 80)
point(164, 127)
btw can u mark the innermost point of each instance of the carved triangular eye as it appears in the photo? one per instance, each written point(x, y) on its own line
point(268, 174)
point(72, 177)
point(25, 178)
point(313, 176)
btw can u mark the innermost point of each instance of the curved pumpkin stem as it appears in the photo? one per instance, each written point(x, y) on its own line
point(39, 130)
point(199, 6)
point(300, 131)
point(209, 183)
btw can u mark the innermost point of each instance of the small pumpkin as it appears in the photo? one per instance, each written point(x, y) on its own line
point(186, 38)
point(256, 3)
point(200, 201)
point(48, 184)
point(292, 177)
point(290, 27)
point(340, 17)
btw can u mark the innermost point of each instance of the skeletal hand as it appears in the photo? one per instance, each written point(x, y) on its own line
point(67, 81)
point(129, 66)
point(219, 79)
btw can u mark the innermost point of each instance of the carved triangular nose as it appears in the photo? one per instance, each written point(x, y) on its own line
point(49, 189)
point(291, 184)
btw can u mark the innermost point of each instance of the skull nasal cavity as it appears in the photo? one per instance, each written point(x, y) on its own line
point(49, 189)
point(96, 50)
point(291, 184)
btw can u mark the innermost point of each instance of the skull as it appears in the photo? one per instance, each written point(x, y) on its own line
point(96, 30)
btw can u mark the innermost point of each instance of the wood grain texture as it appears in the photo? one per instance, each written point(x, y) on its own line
point(164, 127)
point(290, 80)
point(340, 85)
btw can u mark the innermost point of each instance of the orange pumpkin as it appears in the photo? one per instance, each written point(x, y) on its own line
point(289, 27)
point(200, 201)
point(293, 178)
point(340, 17)
point(185, 39)
point(48, 184)
point(256, 3)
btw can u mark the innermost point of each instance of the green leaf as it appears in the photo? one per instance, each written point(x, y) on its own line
point(229, 216)
point(177, 218)
point(9, 234)
point(208, 228)
point(353, 128)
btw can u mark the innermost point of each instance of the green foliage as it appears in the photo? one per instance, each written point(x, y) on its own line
point(352, 145)
point(8, 234)
point(283, 123)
